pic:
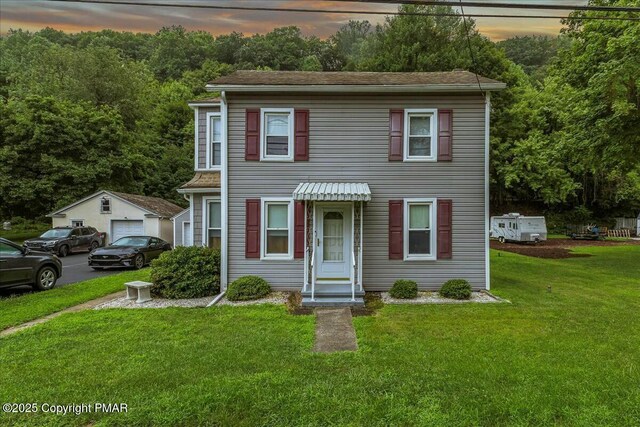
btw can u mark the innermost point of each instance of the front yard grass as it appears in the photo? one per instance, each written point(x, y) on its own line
point(23, 308)
point(565, 357)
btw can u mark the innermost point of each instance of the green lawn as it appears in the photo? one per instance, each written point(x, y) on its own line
point(566, 357)
point(20, 309)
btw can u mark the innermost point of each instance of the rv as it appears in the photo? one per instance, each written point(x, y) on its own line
point(514, 227)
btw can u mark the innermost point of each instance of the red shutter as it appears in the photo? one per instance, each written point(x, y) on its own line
point(298, 229)
point(252, 135)
point(301, 135)
point(444, 229)
point(396, 249)
point(445, 135)
point(252, 234)
point(396, 128)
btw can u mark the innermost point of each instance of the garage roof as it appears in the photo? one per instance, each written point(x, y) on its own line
point(156, 205)
point(153, 205)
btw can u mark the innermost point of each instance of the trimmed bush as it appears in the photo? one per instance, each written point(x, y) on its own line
point(247, 288)
point(186, 272)
point(405, 289)
point(456, 289)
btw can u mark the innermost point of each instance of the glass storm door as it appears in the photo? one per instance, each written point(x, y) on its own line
point(334, 243)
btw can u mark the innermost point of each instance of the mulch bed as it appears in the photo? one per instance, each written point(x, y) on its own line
point(556, 248)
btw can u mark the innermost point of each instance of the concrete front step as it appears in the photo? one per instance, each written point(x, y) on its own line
point(337, 301)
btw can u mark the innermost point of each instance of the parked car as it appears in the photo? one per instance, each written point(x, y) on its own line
point(130, 251)
point(23, 266)
point(66, 240)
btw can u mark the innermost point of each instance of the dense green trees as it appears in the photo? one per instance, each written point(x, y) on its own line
point(109, 109)
point(533, 53)
point(55, 151)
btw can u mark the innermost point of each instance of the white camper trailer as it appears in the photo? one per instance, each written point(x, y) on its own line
point(514, 227)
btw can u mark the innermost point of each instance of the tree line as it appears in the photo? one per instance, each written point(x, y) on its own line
point(108, 109)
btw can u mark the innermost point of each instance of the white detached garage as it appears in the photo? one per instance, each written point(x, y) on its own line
point(120, 214)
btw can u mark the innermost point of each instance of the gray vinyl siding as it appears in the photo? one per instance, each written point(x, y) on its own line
point(178, 221)
point(202, 134)
point(197, 219)
point(349, 137)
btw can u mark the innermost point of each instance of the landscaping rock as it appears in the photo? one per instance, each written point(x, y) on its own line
point(435, 298)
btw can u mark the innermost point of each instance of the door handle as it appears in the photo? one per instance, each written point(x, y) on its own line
point(318, 242)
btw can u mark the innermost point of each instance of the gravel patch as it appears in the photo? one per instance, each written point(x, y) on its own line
point(272, 298)
point(435, 298)
point(156, 303)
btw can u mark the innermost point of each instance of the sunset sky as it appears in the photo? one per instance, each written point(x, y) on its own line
point(74, 17)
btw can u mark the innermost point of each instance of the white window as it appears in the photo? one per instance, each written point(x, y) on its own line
point(212, 230)
point(277, 235)
point(214, 138)
point(77, 222)
point(105, 205)
point(277, 134)
point(420, 131)
point(419, 232)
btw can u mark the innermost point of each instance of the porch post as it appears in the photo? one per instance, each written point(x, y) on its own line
point(360, 247)
point(312, 246)
point(306, 250)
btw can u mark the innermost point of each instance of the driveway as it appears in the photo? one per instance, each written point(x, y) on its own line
point(74, 269)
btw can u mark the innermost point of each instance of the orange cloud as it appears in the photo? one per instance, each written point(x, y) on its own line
point(76, 17)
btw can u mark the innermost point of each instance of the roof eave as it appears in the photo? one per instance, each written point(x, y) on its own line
point(203, 104)
point(484, 87)
point(198, 190)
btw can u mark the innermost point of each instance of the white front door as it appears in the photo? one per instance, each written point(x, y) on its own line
point(186, 234)
point(333, 239)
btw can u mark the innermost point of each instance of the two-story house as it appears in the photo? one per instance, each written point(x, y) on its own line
point(334, 183)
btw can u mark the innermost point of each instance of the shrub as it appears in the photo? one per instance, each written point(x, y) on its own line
point(248, 288)
point(456, 289)
point(186, 272)
point(405, 289)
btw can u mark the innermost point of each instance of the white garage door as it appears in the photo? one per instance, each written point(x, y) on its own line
point(123, 228)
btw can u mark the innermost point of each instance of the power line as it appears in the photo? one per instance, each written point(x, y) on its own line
point(337, 11)
point(473, 57)
point(501, 5)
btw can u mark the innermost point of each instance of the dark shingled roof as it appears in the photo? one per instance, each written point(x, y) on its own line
point(205, 101)
point(156, 205)
point(203, 180)
point(295, 78)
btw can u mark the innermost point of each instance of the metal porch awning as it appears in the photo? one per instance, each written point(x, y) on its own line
point(333, 192)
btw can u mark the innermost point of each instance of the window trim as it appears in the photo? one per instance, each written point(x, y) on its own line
point(433, 214)
point(209, 142)
point(264, 202)
point(205, 219)
point(76, 220)
point(263, 135)
point(434, 135)
point(102, 211)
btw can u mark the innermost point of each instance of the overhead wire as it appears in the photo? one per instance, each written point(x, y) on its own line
point(335, 11)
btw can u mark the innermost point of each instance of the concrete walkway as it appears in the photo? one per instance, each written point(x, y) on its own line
point(334, 330)
point(80, 307)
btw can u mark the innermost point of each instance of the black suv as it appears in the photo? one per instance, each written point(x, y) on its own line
point(65, 240)
point(22, 266)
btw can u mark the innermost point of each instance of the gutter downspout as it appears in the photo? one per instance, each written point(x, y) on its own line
point(216, 299)
point(224, 193)
point(487, 150)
